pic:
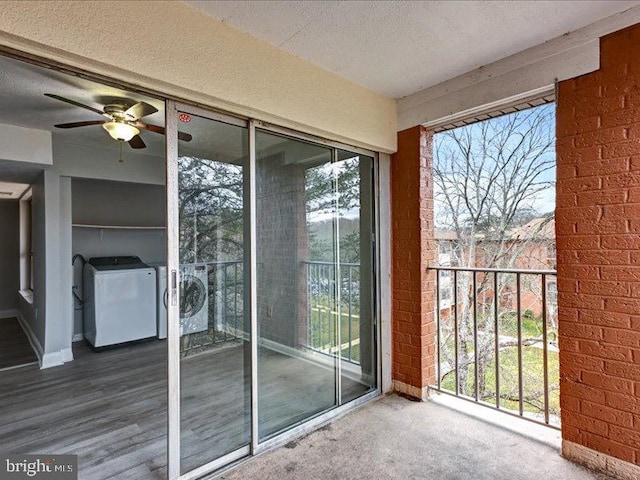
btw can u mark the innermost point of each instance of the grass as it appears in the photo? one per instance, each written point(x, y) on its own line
point(531, 325)
point(322, 329)
point(533, 383)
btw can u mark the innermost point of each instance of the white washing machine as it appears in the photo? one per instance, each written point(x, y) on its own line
point(194, 298)
point(119, 300)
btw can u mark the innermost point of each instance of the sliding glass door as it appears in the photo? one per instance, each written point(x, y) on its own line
point(355, 311)
point(271, 274)
point(210, 338)
point(295, 206)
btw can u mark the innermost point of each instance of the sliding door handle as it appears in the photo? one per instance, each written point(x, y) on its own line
point(174, 288)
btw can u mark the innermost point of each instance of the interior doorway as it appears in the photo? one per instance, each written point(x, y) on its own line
point(16, 258)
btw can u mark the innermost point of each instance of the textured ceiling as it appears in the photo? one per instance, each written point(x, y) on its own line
point(400, 47)
point(22, 103)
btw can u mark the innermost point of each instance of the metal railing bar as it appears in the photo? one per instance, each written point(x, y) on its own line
point(309, 308)
point(475, 336)
point(545, 349)
point(519, 310)
point(328, 263)
point(224, 301)
point(327, 318)
point(489, 270)
point(496, 323)
point(455, 329)
point(349, 309)
point(235, 298)
point(438, 340)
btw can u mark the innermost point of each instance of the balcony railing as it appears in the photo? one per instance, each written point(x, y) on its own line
point(226, 290)
point(496, 335)
point(226, 312)
point(325, 309)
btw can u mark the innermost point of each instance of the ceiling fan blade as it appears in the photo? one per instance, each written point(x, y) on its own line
point(79, 124)
point(73, 102)
point(137, 142)
point(184, 136)
point(157, 129)
point(141, 109)
point(151, 127)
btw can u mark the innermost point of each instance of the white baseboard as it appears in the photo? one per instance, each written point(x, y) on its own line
point(67, 354)
point(599, 461)
point(33, 340)
point(46, 360)
point(10, 313)
point(52, 359)
point(55, 359)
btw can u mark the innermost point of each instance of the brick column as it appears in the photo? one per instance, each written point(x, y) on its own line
point(413, 249)
point(598, 240)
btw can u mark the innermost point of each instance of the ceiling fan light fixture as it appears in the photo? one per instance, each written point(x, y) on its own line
point(120, 131)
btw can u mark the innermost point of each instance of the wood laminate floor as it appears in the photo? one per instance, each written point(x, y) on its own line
point(110, 408)
point(15, 349)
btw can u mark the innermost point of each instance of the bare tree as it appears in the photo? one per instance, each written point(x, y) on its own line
point(490, 179)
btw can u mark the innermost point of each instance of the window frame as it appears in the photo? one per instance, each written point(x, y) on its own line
point(26, 245)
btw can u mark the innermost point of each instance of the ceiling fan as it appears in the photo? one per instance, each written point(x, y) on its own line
point(122, 121)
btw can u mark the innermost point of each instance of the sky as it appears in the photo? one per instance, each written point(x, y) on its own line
point(444, 146)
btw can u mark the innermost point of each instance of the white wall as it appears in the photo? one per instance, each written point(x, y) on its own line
point(103, 193)
point(48, 317)
point(94, 162)
point(101, 202)
point(25, 145)
point(190, 55)
point(65, 326)
point(9, 257)
point(34, 313)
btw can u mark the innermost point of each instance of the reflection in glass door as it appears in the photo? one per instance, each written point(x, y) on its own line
point(357, 350)
point(314, 247)
point(271, 273)
point(294, 183)
point(215, 354)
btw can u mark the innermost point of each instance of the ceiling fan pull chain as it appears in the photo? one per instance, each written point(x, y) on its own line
point(121, 160)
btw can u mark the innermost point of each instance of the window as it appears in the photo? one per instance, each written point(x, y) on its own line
point(26, 244)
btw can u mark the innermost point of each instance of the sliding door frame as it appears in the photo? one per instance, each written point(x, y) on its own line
point(173, 303)
point(173, 309)
point(173, 331)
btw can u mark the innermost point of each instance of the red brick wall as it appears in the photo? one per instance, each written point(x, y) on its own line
point(414, 248)
point(598, 239)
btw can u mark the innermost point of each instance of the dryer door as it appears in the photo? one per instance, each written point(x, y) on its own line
point(194, 299)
